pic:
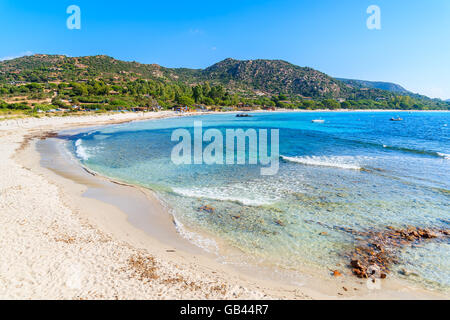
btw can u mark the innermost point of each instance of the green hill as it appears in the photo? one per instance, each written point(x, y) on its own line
point(388, 86)
point(274, 76)
point(251, 76)
point(103, 81)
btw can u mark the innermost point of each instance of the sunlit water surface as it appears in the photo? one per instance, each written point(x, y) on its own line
point(357, 170)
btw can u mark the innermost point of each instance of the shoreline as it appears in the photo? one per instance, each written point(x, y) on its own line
point(26, 117)
point(129, 199)
point(179, 274)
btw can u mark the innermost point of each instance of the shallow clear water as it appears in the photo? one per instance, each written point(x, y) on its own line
point(357, 170)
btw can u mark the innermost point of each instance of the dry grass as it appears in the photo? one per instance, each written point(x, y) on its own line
point(144, 267)
point(194, 286)
point(66, 239)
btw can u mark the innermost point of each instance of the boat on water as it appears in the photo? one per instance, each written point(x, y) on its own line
point(396, 119)
point(318, 121)
point(243, 115)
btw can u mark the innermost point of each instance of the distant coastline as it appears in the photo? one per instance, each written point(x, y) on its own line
point(88, 114)
point(40, 84)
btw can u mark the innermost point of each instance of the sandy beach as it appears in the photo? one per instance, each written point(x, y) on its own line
point(63, 236)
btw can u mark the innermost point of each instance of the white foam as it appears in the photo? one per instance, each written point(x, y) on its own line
point(335, 162)
point(443, 155)
point(221, 195)
point(206, 244)
point(80, 150)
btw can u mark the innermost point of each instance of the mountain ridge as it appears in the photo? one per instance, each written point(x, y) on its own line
point(260, 81)
point(262, 75)
point(383, 85)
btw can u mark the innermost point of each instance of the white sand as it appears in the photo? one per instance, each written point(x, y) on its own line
point(51, 248)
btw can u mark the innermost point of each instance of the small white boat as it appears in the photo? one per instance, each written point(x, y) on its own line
point(318, 121)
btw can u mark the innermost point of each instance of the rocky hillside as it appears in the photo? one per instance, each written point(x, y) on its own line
point(254, 76)
point(250, 77)
point(43, 68)
point(388, 86)
point(274, 76)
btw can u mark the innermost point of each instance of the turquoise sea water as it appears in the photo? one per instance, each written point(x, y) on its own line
point(356, 170)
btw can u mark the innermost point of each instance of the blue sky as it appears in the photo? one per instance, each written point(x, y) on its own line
point(412, 48)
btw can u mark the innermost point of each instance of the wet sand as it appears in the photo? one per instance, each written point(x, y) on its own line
point(141, 206)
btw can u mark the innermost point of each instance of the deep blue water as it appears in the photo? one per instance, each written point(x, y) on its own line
point(357, 170)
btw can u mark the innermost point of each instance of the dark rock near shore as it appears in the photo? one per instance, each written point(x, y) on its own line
point(376, 251)
point(280, 223)
point(206, 208)
point(337, 273)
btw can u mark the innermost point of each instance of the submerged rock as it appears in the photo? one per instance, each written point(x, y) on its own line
point(336, 273)
point(377, 251)
point(206, 208)
point(407, 273)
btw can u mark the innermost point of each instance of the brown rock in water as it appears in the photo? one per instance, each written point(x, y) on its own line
point(377, 245)
point(407, 273)
point(428, 234)
point(356, 264)
point(360, 273)
point(206, 208)
point(280, 223)
point(379, 248)
point(336, 273)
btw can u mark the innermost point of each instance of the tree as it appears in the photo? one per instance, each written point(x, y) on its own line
point(282, 97)
point(197, 92)
point(346, 105)
point(331, 104)
point(208, 101)
point(206, 89)
point(79, 89)
point(185, 100)
point(217, 92)
point(308, 104)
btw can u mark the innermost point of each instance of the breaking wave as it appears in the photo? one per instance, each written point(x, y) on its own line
point(443, 155)
point(202, 242)
point(80, 150)
point(335, 162)
point(222, 195)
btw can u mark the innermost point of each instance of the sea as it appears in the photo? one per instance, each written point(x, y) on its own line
point(352, 171)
